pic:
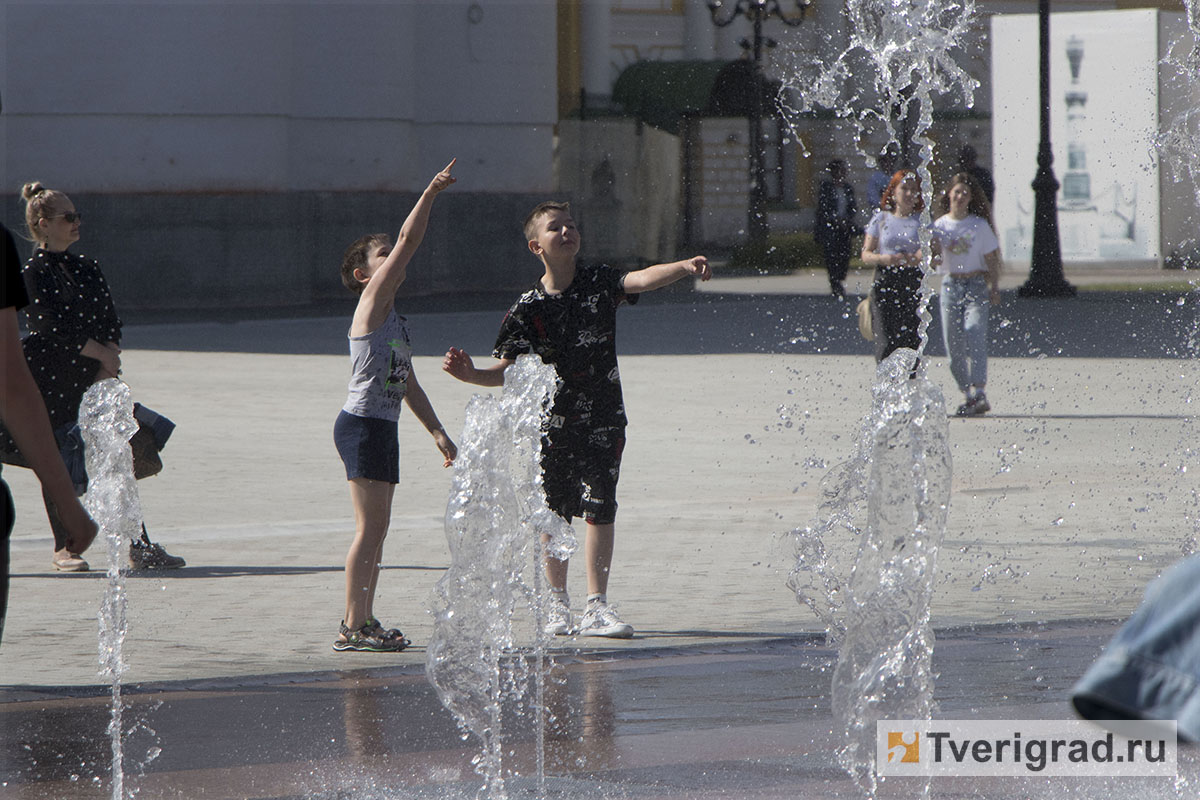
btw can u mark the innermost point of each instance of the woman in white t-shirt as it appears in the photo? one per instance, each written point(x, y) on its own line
point(968, 256)
point(892, 245)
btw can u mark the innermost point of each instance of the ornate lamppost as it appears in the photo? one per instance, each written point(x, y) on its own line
point(757, 11)
point(1045, 265)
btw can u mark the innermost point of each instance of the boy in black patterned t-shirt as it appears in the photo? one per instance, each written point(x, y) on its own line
point(569, 319)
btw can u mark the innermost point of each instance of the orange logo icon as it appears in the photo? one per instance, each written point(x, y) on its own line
point(904, 747)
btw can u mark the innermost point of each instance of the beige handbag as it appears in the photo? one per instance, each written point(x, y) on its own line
point(864, 319)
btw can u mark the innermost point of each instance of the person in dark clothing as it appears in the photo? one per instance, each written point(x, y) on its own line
point(74, 340)
point(569, 320)
point(835, 224)
point(982, 175)
point(23, 410)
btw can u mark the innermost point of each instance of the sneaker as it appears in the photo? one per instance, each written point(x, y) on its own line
point(66, 561)
point(974, 407)
point(600, 619)
point(558, 618)
point(366, 641)
point(145, 554)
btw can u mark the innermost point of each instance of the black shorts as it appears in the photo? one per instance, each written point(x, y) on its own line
point(369, 447)
point(580, 469)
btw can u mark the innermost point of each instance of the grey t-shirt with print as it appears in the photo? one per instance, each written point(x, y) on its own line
point(379, 366)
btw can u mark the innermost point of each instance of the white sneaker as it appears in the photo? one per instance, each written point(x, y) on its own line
point(600, 619)
point(558, 618)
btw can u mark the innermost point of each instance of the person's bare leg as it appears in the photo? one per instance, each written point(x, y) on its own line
point(372, 512)
point(598, 550)
point(556, 569)
point(378, 566)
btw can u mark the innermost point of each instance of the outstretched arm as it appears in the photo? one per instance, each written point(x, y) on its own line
point(659, 275)
point(461, 366)
point(418, 402)
point(392, 272)
point(24, 413)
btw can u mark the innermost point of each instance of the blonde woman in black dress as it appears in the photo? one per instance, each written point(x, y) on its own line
point(74, 340)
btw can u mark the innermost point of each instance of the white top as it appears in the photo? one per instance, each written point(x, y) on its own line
point(895, 234)
point(379, 366)
point(964, 244)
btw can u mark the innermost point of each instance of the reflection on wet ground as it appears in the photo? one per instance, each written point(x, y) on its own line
point(720, 721)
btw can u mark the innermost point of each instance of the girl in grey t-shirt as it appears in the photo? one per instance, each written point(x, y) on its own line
point(365, 432)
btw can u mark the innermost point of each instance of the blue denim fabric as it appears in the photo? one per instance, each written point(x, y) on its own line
point(160, 427)
point(966, 306)
point(74, 455)
point(1151, 668)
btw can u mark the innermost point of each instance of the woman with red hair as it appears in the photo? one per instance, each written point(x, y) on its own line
point(893, 246)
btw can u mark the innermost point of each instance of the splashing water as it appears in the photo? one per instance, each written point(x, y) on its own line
point(879, 614)
point(1178, 144)
point(107, 423)
point(905, 44)
point(899, 476)
point(495, 519)
point(1178, 140)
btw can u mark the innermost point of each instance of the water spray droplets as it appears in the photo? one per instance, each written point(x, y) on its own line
point(494, 522)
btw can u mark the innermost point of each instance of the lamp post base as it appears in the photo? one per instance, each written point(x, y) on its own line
point(1046, 288)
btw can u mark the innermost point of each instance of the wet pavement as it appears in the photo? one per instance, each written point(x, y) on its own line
point(1067, 500)
point(746, 721)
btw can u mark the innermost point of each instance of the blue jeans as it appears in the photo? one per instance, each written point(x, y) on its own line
point(1151, 668)
point(965, 306)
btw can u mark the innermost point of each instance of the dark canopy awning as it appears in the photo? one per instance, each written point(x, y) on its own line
point(661, 93)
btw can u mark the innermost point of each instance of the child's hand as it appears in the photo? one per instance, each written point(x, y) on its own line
point(698, 266)
point(458, 364)
point(446, 446)
point(443, 178)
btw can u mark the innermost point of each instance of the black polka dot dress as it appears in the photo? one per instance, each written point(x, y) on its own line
point(69, 304)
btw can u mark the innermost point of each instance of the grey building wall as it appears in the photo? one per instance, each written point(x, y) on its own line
point(225, 152)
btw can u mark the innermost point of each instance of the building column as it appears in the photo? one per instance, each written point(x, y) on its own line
point(596, 29)
point(699, 32)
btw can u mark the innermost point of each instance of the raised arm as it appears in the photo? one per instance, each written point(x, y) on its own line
point(391, 273)
point(660, 275)
point(461, 366)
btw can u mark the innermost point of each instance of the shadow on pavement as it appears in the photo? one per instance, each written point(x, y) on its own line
point(1091, 325)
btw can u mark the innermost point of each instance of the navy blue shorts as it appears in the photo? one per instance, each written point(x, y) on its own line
point(369, 447)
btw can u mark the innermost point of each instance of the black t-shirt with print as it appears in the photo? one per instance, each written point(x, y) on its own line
point(575, 331)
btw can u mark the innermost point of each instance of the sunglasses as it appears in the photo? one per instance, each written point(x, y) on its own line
point(71, 216)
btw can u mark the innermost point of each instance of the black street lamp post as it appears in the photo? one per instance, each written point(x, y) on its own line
point(1045, 266)
point(757, 11)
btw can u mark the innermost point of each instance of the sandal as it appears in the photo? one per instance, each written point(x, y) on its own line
point(366, 640)
point(375, 627)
